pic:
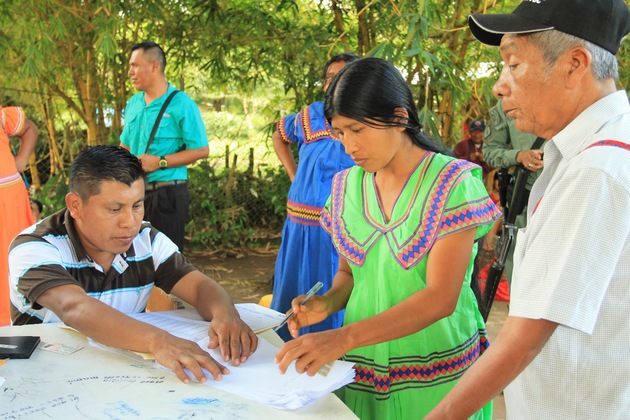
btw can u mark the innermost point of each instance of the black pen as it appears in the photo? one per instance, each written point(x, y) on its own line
point(308, 296)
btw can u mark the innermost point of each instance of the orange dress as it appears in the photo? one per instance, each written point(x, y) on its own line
point(15, 211)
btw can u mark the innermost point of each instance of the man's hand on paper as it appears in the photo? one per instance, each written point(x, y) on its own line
point(312, 351)
point(178, 354)
point(234, 337)
point(314, 311)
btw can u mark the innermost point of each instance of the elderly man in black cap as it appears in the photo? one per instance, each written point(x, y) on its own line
point(564, 350)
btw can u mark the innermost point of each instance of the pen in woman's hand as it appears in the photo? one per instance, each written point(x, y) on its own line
point(308, 296)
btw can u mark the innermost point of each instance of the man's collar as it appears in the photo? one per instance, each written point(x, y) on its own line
point(576, 136)
point(73, 235)
point(160, 99)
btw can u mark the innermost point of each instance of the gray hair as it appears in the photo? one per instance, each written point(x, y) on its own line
point(553, 43)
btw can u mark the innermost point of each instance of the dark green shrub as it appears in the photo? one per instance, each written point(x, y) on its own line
point(53, 193)
point(229, 208)
point(235, 209)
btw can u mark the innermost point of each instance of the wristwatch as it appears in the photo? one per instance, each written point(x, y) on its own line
point(163, 163)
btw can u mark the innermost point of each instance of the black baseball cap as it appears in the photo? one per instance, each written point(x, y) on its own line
point(602, 22)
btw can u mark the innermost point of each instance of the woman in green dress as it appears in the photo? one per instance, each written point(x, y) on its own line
point(404, 221)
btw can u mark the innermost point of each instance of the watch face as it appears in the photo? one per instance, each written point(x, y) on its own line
point(163, 163)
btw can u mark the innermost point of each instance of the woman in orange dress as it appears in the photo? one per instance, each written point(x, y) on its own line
point(15, 209)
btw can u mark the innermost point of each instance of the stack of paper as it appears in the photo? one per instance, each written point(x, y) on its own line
point(259, 378)
point(258, 317)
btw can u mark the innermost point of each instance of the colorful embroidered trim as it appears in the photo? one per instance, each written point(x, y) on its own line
point(303, 214)
point(416, 371)
point(347, 248)
point(393, 224)
point(433, 219)
point(10, 180)
point(430, 223)
point(474, 214)
point(309, 134)
point(18, 125)
point(281, 130)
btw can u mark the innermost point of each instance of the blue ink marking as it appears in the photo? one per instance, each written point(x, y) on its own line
point(200, 401)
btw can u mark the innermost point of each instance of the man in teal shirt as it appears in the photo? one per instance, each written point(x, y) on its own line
point(180, 140)
point(504, 146)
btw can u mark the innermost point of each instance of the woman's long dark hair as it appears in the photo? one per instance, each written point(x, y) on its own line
point(370, 90)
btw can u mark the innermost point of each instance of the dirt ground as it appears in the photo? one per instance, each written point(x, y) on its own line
point(246, 275)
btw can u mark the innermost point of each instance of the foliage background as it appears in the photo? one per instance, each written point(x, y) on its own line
point(246, 63)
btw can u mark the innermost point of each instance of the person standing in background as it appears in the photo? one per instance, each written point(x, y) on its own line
point(504, 146)
point(37, 208)
point(471, 149)
point(306, 253)
point(15, 209)
point(180, 140)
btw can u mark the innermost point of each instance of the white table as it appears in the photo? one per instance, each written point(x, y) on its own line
point(96, 384)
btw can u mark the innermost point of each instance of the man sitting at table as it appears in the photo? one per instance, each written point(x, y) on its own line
point(95, 261)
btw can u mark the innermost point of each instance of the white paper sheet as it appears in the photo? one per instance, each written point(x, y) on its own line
point(258, 317)
point(259, 378)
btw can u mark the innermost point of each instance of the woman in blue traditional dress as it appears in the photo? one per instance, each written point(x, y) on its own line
point(404, 221)
point(306, 253)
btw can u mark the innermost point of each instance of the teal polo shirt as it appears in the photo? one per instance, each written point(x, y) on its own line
point(181, 127)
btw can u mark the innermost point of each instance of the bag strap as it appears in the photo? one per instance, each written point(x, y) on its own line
point(159, 118)
point(539, 141)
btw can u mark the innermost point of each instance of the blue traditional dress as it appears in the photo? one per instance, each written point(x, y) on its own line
point(407, 377)
point(306, 253)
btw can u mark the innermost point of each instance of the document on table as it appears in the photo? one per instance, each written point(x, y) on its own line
point(189, 329)
point(258, 317)
point(259, 378)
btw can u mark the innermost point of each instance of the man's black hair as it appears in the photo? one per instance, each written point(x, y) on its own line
point(96, 164)
point(153, 50)
point(345, 57)
point(40, 206)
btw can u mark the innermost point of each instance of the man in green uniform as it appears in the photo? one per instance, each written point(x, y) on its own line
point(505, 147)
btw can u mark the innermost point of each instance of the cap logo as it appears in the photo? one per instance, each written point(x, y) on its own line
point(535, 1)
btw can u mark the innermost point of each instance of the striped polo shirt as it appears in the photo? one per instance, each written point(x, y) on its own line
point(50, 254)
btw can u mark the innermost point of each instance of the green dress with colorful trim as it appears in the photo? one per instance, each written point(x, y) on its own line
point(407, 377)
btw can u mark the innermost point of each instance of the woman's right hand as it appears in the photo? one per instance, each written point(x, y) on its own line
point(314, 311)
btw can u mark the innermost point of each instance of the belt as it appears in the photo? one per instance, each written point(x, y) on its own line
point(151, 186)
